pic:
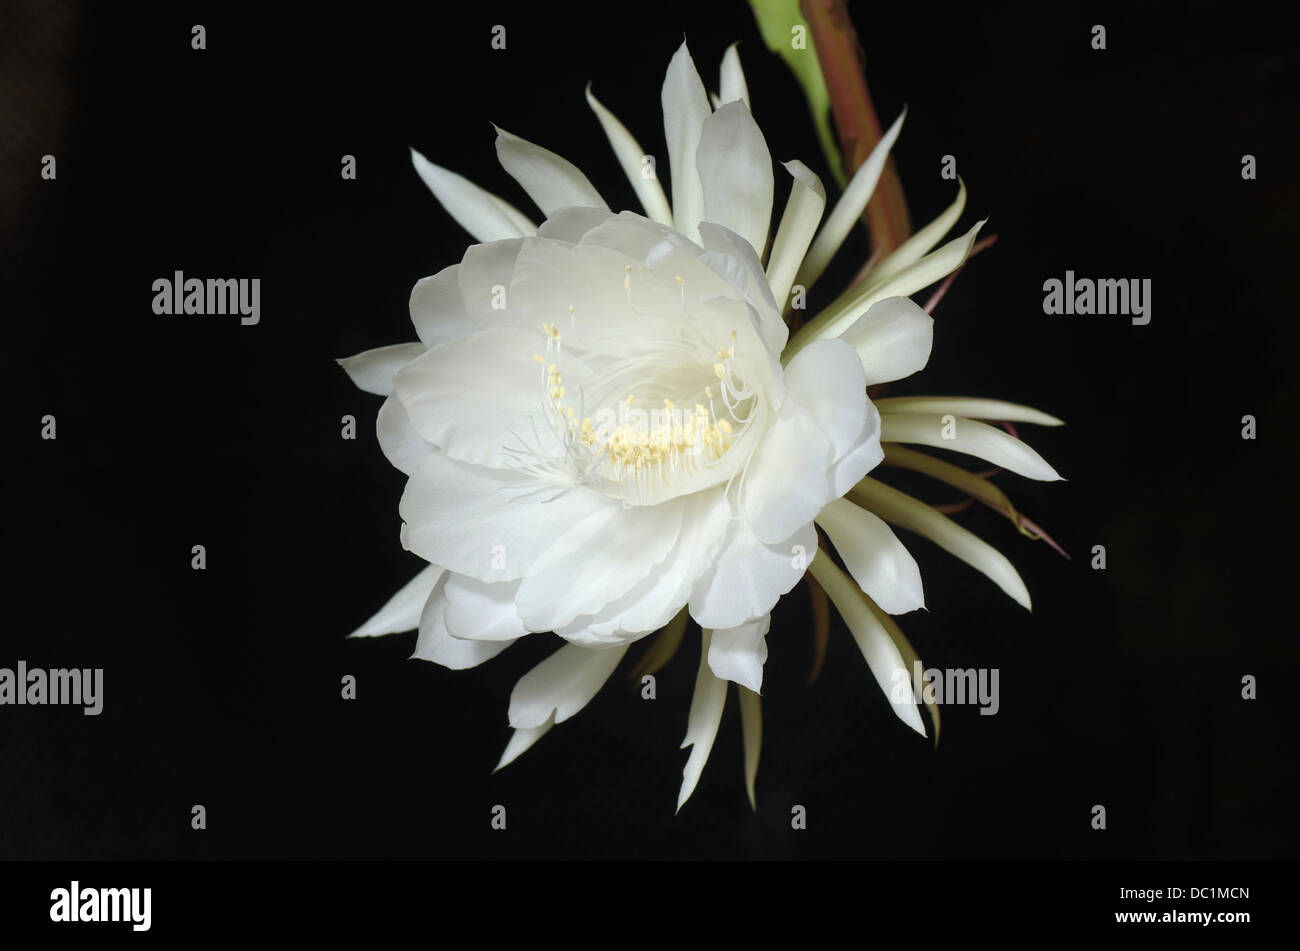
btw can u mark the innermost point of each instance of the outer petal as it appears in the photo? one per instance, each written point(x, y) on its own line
point(522, 740)
point(849, 208)
point(879, 563)
point(910, 660)
point(572, 223)
point(482, 214)
point(402, 445)
point(966, 435)
point(969, 406)
point(482, 610)
point(438, 310)
point(892, 339)
point(738, 653)
point(751, 724)
point(736, 174)
point(731, 85)
point(798, 224)
point(561, 685)
point(630, 156)
point(906, 512)
point(919, 244)
point(402, 611)
point(373, 370)
point(878, 648)
point(436, 644)
point(921, 273)
point(484, 268)
point(551, 181)
point(685, 106)
point(702, 722)
point(750, 577)
point(844, 312)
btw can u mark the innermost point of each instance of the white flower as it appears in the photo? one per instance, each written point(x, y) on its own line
point(603, 422)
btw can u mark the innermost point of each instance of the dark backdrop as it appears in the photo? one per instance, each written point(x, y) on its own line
point(1122, 688)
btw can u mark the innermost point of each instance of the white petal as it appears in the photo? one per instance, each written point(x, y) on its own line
point(685, 107)
point(906, 512)
point(751, 725)
point(750, 577)
point(561, 685)
point(721, 240)
point(826, 379)
point(738, 653)
point(482, 610)
point(928, 270)
point(660, 596)
point(879, 563)
point(472, 397)
point(910, 660)
point(585, 637)
point(849, 208)
point(482, 214)
point(968, 406)
point(919, 244)
point(572, 224)
point(520, 220)
point(731, 85)
point(550, 277)
point(893, 340)
point(865, 456)
point(968, 436)
point(878, 648)
point(473, 519)
point(401, 444)
point(521, 741)
point(635, 236)
point(438, 310)
point(373, 370)
point(436, 643)
point(631, 157)
point(597, 559)
point(798, 224)
point(730, 249)
point(484, 269)
point(702, 722)
point(551, 181)
point(736, 174)
point(402, 611)
point(786, 483)
point(842, 313)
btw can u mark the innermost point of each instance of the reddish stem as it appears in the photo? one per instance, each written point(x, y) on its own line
point(840, 55)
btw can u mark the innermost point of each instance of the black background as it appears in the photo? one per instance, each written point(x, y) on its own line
point(222, 687)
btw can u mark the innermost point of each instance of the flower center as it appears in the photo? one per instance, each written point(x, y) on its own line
point(637, 454)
